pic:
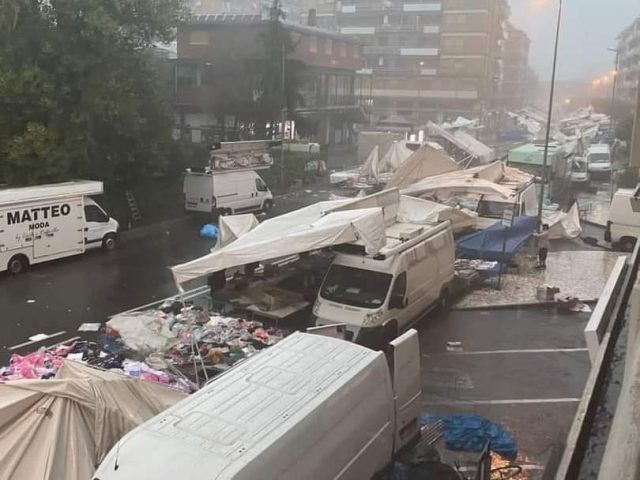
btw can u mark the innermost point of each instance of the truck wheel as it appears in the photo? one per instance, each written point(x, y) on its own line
point(109, 242)
point(18, 264)
point(268, 205)
point(627, 244)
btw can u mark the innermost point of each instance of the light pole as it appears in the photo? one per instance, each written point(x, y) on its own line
point(611, 129)
point(550, 113)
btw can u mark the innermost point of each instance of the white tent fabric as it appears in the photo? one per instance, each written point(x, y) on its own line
point(233, 227)
point(303, 230)
point(370, 168)
point(62, 428)
point(424, 162)
point(425, 212)
point(395, 156)
point(563, 225)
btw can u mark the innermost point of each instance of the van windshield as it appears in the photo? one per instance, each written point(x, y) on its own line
point(355, 287)
point(487, 208)
point(579, 166)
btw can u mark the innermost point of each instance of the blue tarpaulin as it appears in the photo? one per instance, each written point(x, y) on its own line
point(209, 231)
point(470, 433)
point(487, 244)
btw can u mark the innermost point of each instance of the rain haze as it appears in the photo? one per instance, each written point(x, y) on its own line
point(588, 28)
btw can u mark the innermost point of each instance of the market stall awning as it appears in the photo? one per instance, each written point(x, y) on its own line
point(62, 428)
point(424, 162)
point(487, 244)
point(311, 228)
point(233, 227)
point(423, 212)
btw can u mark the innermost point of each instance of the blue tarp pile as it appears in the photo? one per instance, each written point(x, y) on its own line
point(487, 244)
point(470, 433)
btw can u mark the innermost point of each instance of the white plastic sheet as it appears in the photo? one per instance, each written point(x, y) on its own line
point(234, 226)
point(563, 225)
point(425, 212)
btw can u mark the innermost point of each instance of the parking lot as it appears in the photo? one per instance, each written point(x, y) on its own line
point(522, 368)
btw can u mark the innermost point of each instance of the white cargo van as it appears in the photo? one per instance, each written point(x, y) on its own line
point(226, 192)
point(379, 296)
point(47, 222)
point(599, 158)
point(310, 407)
point(623, 226)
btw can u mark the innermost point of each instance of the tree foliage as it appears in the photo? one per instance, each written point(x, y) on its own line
point(80, 94)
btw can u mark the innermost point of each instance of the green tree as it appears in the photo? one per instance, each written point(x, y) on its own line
point(79, 93)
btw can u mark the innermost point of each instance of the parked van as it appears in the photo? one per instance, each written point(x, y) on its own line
point(310, 407)
point(226, 192)
point(379, 296)
point(599, 158)
point(47, 222)
point(623, 226)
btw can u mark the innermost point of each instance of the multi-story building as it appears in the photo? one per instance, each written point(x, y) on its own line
point(426, 59)
point(516, 69)
point(629, 61)
point(221, 60)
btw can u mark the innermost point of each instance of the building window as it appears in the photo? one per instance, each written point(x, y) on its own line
point(381, 61)
point(385, 19)
point(199, 37)
point(313, 44)
point(328, 46)
point(343, 49)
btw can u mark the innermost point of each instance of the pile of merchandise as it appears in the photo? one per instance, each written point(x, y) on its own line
point(168, 346)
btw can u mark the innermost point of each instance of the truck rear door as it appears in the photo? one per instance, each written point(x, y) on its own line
point(198, 192)
point(403, 356)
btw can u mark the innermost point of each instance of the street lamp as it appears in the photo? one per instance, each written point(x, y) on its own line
point(611, 130)
point(548, 132)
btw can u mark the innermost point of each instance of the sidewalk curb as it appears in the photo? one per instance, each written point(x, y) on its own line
point(504, 306)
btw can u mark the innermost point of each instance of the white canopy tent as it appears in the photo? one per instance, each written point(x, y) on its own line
point(424, 162)
point(233, 227)
point(395, 156)
point(310, 228)
point(62, 428)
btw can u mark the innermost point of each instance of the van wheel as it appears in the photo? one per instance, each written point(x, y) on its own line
point(109, 242)
point(627, 244)
point(18, 264)
point(268, 205)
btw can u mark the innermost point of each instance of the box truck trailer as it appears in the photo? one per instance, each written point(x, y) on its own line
point(47, 222)
point(310, 407)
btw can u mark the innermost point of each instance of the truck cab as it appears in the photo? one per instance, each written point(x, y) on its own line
point(100, 230)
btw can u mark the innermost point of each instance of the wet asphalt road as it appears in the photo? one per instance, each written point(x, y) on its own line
point(60, 295)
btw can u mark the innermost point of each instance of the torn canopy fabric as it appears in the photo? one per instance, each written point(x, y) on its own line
point(233, 227)
point(307, 229)
point(424, 162)
point(421, 212)
point(395, 156)
point(62, 428)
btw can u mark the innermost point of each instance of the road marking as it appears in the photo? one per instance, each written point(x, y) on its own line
point(524, 350)
point(39, 338)
point(514, 401)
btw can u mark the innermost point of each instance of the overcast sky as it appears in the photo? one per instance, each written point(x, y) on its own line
point(588, 28)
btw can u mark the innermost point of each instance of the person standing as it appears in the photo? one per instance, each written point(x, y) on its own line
point(543, 246)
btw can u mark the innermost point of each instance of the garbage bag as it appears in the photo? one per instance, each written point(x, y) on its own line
point(470, 433)
point(209, 231)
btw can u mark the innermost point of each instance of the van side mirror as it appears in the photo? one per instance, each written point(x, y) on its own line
point(397, 301)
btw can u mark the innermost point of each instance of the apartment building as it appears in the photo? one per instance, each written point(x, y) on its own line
point(426, 59)
point(629, 61)
point(219, 58)
point(516, 69)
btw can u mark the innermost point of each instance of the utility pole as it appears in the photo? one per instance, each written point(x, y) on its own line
point(550, 113)
point(634, 160)
point(282, 117)
point(611, 125)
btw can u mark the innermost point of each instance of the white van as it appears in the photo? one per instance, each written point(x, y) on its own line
point(377, 297)
point(599, 158)
point(310, 407)
point(623, 226)
point(226, 192)
point(48, 222)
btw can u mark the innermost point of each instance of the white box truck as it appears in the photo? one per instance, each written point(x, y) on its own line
point(48, 222)
point(226, 192)
point(310, 407)
point(378, 296)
